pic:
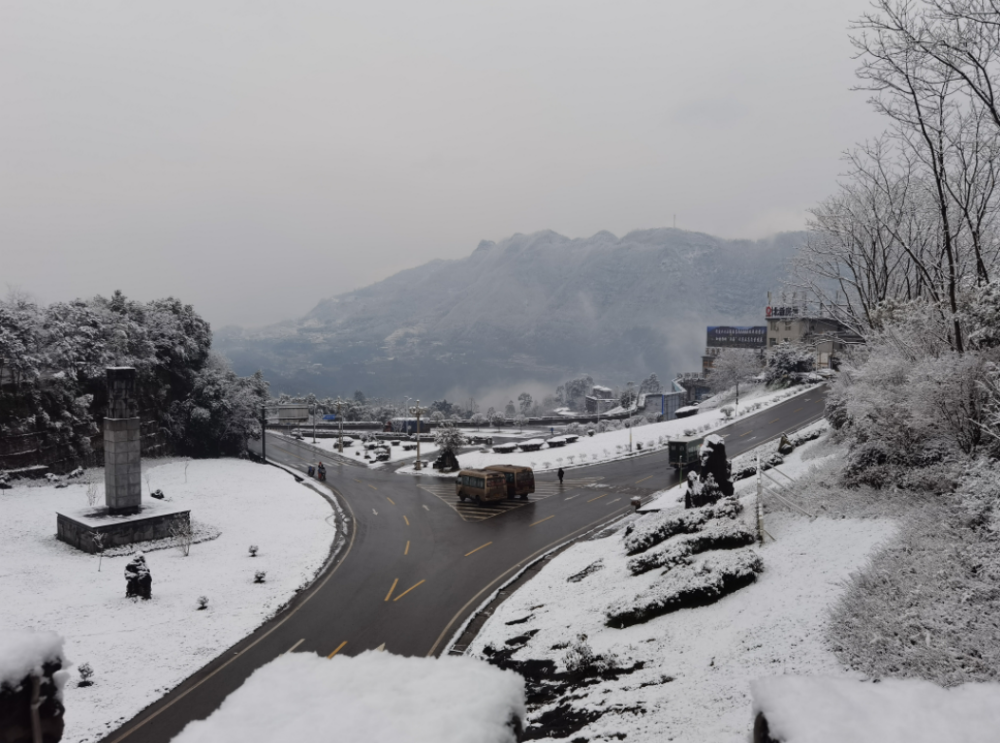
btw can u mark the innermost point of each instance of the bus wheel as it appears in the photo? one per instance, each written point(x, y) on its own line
point(524, 496)
point(479, 501)
point(461, 497)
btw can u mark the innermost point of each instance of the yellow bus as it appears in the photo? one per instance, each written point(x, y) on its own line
point(520, 480)
point(480, 486)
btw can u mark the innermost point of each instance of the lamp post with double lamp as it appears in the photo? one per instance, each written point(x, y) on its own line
point(339, 402)
point(630, 385)
point(417, 411)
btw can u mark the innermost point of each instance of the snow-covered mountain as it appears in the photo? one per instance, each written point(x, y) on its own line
point(539, 307)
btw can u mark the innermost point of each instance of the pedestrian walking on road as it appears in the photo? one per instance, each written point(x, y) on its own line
point(322, 472)
point(560, 473)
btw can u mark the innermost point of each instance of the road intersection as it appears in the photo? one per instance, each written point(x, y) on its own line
point(416, 563)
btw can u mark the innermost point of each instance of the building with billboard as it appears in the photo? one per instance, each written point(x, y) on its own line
point(721, 337)
point(812, 324)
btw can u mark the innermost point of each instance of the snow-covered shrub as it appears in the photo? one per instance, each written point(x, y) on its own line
point(785, 361)
point(253, 550)
point(580, 659)
point(704, 582)
point(651, 529)
point(727, 411)
point(259, 576)
point(722, 534)
point(183, 536)
point(86, 672)
point(202, 603)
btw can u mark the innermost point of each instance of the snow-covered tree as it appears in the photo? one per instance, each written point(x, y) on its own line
point(734, 365)
point(785, 361)
point(525, 403)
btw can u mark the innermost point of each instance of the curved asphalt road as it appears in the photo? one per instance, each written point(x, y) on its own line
point(413, 569)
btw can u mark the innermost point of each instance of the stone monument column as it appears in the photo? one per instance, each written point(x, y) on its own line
point(122, 469)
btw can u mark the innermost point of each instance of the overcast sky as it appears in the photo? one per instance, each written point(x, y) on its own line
point(253, 157)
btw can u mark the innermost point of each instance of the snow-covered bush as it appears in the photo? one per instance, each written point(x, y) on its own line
point(202, 603)
point(86, 672)
point(259, 576)
point(657, 527)
point(581, 660)
point(785, 361)
point(253, 550)
point(699, 584)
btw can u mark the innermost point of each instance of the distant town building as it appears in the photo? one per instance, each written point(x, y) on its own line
point(810, 323)
point(721, 337)
point(601, 399)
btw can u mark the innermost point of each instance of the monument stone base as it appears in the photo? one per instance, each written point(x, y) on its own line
point(153, 521)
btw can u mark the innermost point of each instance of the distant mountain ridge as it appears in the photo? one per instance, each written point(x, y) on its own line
point(540, 307)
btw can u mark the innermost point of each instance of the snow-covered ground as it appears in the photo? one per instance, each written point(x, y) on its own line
point(698, 664)
point(612, 445)
point(374, 697)
point(139, 650)
point(832, 710)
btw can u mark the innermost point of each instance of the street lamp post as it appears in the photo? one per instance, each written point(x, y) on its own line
point(630, 384)
point(340, 421)
point(263, 432)
point(315, 409)
point(417, 410)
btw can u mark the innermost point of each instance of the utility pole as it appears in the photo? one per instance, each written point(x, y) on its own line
point(630, 385)
point(314, 410)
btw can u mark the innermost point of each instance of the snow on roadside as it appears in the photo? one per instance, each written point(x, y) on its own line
point(698, 664)
point(613, 445)
point(140, 650)
point(375, 697)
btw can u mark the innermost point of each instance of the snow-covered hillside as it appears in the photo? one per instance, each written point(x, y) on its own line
point(678, 673)
point(539, 306)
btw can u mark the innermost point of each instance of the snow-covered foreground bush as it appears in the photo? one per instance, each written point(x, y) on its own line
point(374, 697)
point(811, 709)
point(138, 650)
point(30, 663)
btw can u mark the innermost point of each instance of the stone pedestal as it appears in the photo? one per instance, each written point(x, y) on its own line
point(122, 465)
point(154, 521)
